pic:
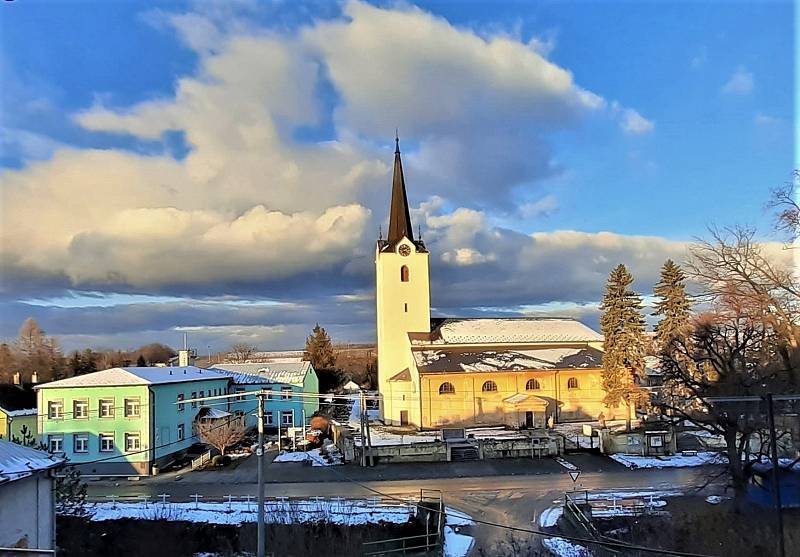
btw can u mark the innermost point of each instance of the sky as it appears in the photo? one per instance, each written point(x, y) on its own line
point(222, 168)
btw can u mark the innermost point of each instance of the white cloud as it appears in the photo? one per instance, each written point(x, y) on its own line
point(740, 83)
point(633, 123)
point(543, 207)
point(767, 121)
point(250, 204)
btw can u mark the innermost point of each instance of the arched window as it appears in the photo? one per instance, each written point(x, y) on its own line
point(532, 385)
point(572, 383)
point(489, 387)
point(447, 389)
point(403, 274)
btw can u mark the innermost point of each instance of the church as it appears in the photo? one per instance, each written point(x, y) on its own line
point(440, 372)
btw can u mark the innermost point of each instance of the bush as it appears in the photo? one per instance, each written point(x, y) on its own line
point(218, 460)
point(226, 460)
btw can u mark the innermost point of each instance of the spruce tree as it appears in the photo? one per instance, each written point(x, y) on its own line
point(673, 330)
point(140, 361)
point(622, 325)
point(319, 349)
point(673, 306)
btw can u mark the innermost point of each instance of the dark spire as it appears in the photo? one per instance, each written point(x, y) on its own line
point(399, 218)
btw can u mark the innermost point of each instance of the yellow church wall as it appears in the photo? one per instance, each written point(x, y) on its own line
point(402, 307)
point(469, 405)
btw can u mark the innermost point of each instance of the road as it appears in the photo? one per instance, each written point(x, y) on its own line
point(514, 500)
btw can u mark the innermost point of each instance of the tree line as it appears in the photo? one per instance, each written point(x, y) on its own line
point(737, 334)
point(34, 351)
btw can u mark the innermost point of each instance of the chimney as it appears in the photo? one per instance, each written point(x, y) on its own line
point(183, 357)
point(170, 372)
point(34, 378)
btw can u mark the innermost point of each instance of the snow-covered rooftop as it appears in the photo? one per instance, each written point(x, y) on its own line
point(516, 330)
point(17, 462)
point(118, 376)
point(290, 373)
point(440, 360)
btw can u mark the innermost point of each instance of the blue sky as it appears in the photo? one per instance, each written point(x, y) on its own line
point(562, 120)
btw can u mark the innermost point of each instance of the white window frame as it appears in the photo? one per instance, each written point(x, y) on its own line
point(181, 404)
point(283, 415)
point(194, 402)
point(238, 390)
point(57, 438)
point(105, 437)
point(100, 405)
point(57, 403)
point(181, 432)
point(84, 437)
point(286, 393)
point(83, 403)
point(137, 405)
point(269, 418)
point(130, 436)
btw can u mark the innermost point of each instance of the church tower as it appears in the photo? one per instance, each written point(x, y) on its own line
point(403, 306)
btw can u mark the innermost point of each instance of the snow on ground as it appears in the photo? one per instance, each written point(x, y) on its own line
point(674, 461)
point(565, 464)
point(563, 548)
point(379, 436)
point(456, 544)
point(313, 455)
point(345, 512)
point(550, 516)
point(715, 499)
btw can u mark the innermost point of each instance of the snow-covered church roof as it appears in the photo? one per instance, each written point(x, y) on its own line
point(444, 360)
point(515, 330)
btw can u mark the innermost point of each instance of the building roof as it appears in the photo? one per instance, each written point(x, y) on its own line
point(289, 373)
point(514, 330)
point(122, 376)
point(17, 401)
point(17, 462)
point(439, 360)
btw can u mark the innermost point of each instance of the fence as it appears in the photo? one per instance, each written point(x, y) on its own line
point(201, 460)
point(432, 510)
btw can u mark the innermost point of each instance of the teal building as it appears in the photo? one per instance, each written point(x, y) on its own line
point(125, 421)
point(293, 386)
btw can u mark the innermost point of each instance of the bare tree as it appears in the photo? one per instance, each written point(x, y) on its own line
point(242, 351)
point(784, 200)
point(221, 433)
point(731, 265)
point(726, 354)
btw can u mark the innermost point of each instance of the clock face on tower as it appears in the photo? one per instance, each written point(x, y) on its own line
point(404, 250)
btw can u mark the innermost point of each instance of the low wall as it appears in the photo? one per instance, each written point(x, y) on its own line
point(518, 447)
point(435, 451)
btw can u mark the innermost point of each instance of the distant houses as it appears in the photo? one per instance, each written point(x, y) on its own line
point(124, 421)
point(27, 499)
point(294, 391)
point(18, 414)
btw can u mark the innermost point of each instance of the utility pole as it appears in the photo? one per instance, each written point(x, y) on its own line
point(369, 435)
point(363, 430)
point(262, 531)
point(775, 475)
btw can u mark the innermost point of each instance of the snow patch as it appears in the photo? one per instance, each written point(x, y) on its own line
point(314, 455)
point(550, 516)
point(345, 512)
point(565, 464)
point(456, 544)
point(563, 548)
point(674, 461)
